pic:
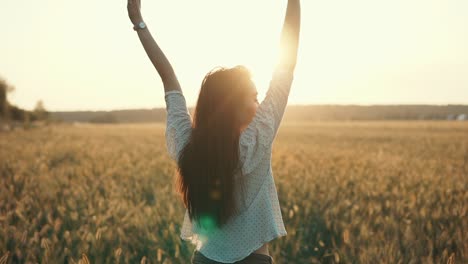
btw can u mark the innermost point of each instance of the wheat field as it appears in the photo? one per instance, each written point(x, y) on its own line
point(350, 192)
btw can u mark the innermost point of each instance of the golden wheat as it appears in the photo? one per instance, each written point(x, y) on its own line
point(351, 192)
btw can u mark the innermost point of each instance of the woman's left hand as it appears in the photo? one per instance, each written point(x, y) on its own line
point(134, 11)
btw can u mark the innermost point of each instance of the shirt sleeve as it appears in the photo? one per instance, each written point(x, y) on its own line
point(256, 140)
point(179, 123)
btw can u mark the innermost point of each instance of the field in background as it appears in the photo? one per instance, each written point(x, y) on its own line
point(350, 192)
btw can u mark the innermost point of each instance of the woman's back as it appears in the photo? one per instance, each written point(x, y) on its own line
point(259, 218)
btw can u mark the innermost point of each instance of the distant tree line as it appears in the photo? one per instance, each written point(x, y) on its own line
point(10, 113)
point(110, 117)
point(292, 113)
point(375, 112)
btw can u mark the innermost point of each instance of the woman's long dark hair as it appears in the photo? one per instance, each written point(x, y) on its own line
point(209, 161)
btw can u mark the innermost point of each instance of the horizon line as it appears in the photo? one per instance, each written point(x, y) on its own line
point(289, 105)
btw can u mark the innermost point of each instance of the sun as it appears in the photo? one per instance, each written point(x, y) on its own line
point(245, 33)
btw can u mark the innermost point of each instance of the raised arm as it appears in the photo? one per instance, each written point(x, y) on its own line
point(289, 43)
point(257, 139)
point(155, 54)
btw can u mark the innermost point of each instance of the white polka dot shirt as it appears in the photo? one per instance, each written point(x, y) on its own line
point(259, 219)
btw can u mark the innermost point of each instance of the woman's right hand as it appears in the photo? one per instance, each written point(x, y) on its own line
point(134, 11)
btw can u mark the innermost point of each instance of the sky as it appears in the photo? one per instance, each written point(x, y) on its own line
point(84, 55)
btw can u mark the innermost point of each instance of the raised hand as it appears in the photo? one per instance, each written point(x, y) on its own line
point(154, 52)
point(134, 11)
point(290, 35)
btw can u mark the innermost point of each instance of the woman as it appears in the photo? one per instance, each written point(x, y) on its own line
point(224, 156)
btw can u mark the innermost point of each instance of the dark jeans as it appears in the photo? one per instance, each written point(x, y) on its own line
point(253, 258)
